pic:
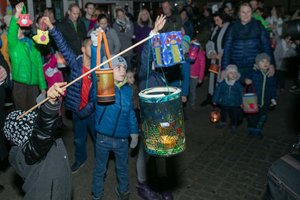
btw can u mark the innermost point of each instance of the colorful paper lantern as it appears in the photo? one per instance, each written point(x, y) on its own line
point(41, 37)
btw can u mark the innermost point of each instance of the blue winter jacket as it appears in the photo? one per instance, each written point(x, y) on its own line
point(264, 87)
point(226, 95)
point(156, 78)
point(243, 43)
point(73, 97)
point(116, 119)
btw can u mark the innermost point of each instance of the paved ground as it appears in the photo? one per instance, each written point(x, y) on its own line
point(216, 164)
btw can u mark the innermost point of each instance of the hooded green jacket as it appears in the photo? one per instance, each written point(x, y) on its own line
point(26, 61)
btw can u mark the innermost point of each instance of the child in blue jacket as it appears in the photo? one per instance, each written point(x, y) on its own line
point(81, 96)
point(265, 89)
point(229, 95)
point(114, 123)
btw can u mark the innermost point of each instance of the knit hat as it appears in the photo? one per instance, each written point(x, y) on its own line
point(232, 68)
point(18, 131)
point(262, 56)
point(115, 62)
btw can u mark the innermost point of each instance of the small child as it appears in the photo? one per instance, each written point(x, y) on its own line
point(80, 98)
point(38, 155)
point(115, 122)
point(228, 95)
point(265, 88)
point(196, 76)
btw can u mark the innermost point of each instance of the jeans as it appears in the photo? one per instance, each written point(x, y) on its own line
point(119, 147)
point(81, 127)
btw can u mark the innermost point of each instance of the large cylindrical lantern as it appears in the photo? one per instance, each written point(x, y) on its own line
point(105, 76)
point(162, 121)
point(105, 85)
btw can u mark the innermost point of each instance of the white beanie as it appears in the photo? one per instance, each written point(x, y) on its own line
point(232, 68)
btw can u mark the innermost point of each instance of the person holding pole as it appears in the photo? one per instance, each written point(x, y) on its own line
point(81, 96)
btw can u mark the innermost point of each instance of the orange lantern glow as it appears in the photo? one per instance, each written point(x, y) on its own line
point(214, 68)
point(215, 116)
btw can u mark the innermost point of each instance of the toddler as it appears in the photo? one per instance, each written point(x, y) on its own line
point(228, 95)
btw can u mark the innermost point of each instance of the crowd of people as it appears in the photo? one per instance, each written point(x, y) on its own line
point(246, 45)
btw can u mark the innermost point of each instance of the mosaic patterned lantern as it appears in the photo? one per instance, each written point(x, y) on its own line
point(167, 49)
point(162, 121)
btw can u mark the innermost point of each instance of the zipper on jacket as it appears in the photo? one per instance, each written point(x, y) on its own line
point(100, 119)
point(119, 89)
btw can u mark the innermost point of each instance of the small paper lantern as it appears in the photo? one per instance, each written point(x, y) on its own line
point(214, 68)
point(215, 116)
point(24, 20)
point(193, 51)
point(41, 37)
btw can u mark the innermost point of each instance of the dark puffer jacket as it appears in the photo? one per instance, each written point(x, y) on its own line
point(264, 87)
point(243, 43)
point(73, 98)
point(227, 95)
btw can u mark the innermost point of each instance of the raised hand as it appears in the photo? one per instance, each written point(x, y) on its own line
point(47, 21)
point(19, 8)
point(55, 91)
point(159, 23)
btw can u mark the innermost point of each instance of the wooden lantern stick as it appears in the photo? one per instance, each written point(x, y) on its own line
point(87, 73)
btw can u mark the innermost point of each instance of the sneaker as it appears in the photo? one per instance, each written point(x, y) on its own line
point(96, 198)
point(122, 195)
point(145, 192)
point(167, 195)
point(76, 167)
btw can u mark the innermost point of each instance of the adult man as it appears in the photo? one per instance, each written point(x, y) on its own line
point(73, 29)
point(173, 22)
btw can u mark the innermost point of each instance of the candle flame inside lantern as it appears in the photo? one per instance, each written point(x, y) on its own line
point(215, 116)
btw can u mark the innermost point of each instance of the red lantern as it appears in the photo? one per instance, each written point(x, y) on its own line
point(24, 20)
point(214, 68)
point(193, 51)
point(215, 116)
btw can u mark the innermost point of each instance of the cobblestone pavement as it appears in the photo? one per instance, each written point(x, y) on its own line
point(215, 165)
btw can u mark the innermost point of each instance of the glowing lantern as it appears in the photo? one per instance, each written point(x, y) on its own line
point(193, 51)
point(214, 68)
point(215, 116)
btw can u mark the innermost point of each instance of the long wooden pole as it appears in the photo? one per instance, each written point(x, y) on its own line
point(87, 73)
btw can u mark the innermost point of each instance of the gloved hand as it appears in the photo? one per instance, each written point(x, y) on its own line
point(94, 36)
point(134, 140)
